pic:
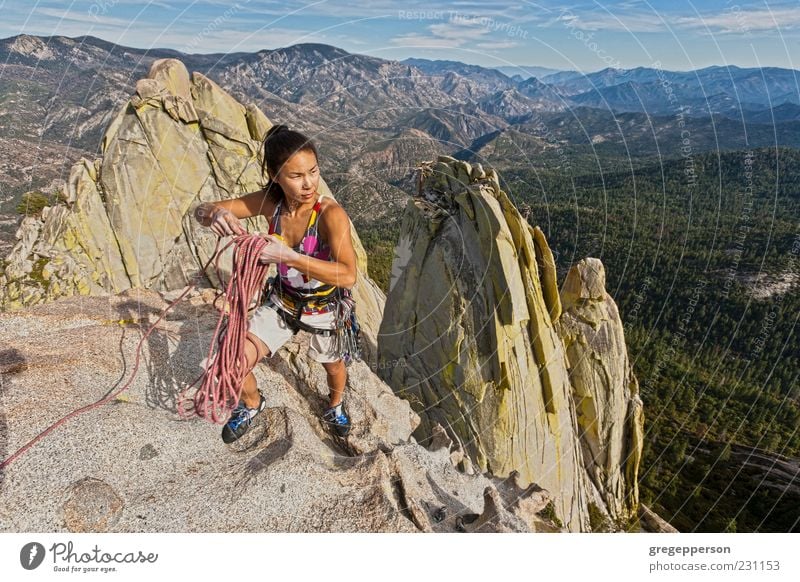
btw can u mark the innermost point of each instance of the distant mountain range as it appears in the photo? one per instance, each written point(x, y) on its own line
point(58, 94)
point(730, 91)
point(516, 73)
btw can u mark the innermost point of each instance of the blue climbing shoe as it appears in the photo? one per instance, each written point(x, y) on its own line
point(337, 418)
point(240, 421)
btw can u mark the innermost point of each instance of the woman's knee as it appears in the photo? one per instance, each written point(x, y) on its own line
point(255, 350)
point(334, 368)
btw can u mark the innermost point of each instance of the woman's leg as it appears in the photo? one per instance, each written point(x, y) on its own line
point(250, 403)
point(335, 415)
point(254, 350)
point(337, 378)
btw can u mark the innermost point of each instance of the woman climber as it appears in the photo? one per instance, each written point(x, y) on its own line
point(309, 239)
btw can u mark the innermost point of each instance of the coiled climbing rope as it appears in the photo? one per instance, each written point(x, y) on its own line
point(227, 361)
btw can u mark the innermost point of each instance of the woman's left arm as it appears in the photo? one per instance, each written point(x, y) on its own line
point(342, 271)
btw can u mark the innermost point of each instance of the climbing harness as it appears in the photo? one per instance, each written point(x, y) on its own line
point(346, 330)
point(294, 301)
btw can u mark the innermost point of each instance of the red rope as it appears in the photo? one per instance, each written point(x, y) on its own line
point(223, 380)
point(227, 368)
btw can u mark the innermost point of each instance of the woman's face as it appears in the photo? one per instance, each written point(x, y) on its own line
point(299, 177)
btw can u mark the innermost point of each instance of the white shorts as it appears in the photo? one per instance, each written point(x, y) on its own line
point(268, 326)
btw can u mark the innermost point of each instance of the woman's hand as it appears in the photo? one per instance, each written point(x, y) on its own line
point(276, 251)
point(224, 223)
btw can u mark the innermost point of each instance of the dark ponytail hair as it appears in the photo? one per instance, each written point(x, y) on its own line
point(280, 144)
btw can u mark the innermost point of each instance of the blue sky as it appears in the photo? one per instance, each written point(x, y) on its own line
point(587, 36)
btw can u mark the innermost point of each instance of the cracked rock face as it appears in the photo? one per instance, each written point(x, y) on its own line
point(470, 338)
point(153, 470)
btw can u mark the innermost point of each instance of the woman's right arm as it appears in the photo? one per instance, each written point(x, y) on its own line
point(223, 216)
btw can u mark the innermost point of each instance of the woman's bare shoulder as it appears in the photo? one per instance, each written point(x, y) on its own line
point(330, 211)
point(327, 202)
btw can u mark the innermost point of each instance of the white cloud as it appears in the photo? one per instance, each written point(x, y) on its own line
point(82, 17)
point(741, 20)
point(497, 45)
point(414, 39)
point(636, 17)
point(458, 29)
point(610, 21)
point(462, 29)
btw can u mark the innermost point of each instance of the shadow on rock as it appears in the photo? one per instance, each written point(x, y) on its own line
point(452, 513)
point(280, 440)
point(174, 349)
